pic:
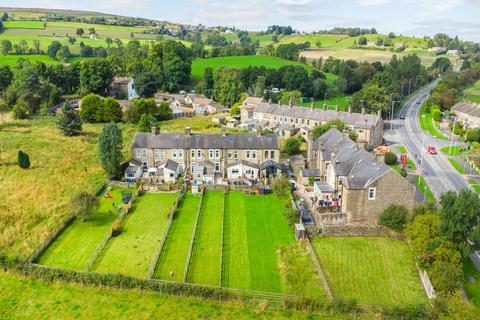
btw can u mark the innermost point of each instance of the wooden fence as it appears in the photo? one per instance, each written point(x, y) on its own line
point(194, 232)
point(158, 252)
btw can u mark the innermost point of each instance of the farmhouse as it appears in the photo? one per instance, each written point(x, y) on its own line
point(355, 186)
point(205, 158)
point(368, 127)
point(203, 105)
point(453, 53)
point(468, 113)
point(123, 87)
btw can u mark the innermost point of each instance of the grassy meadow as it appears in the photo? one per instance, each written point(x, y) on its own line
point(175, 249)
point(23, 24)
point(77, 243)
point(12, 59)
point(371, 270)
point(472, 93)
point(25, 298)
point(131, 252)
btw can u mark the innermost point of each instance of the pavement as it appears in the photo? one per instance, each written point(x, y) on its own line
point(439, 174)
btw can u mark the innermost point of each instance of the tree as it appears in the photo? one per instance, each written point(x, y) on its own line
point(235, 109)
point(83, 204)
point(228, 86)
point(287, 51)
point(446, 277)
point(6, 46)
point(20, 110)
point(72, 40)
point(109, 41)
point(362, 41)
point(281, 187)
point(391, 35)
point(63, 53)
point(96, 75)
point(69, 121)
point(53, 48)
point(146, 122)
point(208, 81)
point(394, 217)
point(112, 111)
point(92, 31)
point(80, 32)
point(379, 42)
point(139, 107)
point(391, 158)
point(321, 129)
point(90, 106)
point(291, 146)
point(23, 160)
point(110, 149)
point(164, 112)
point(4, 16)
point(6, 77)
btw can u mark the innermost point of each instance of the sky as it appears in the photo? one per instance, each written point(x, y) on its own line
point(407, 17)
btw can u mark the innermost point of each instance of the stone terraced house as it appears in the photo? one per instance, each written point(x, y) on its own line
point(205, 158)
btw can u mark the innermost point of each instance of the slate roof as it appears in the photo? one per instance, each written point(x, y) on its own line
point(469, 108)
point(171, 165)
point(243, 163)
point(310, 173)
point(205, 141)
point(323, 186)
point(356, 120)
point(270, 163)
point(131, 169)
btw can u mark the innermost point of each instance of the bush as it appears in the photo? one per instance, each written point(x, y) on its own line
point(394, 217)
point(83, 203)
point(446, 277)
point(291, 146)
point(436, 115)
point(391, 158)
point(403, 172)
point(20, 110)
point(23, 160)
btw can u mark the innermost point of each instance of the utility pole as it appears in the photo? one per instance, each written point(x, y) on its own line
point(451, 136)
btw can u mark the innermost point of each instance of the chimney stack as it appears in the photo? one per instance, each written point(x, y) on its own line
point(379, 113)
point(337, 108)
point(346, 133)
point(188, 131)
point(154, 131)
point(333, 159)
point(379, 157)
point(312, 105)
point(350, 109)
point(363, 110)
point(223, 131)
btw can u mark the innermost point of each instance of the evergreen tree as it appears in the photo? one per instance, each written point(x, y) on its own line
point(112, 111)
point(146, 122)
point(23, 160)
point(110, 149)
point(69, 122)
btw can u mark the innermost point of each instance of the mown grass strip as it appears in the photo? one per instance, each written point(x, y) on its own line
point(428, 124)
point(475, 185)
point(205, 261)
point(423, 188)
point(173, 257)
point(457, 166)
point(192, 240)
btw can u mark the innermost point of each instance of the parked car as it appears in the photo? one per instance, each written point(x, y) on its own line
point(431, 150)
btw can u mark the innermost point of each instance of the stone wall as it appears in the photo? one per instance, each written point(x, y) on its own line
point(356, 231)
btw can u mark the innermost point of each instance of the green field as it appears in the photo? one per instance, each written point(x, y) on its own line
point(428, 124)
point(370, 270)
point(22, 24)
point(342, 101)
point(472, 93)
point(73, 248)
point(175, 250)
point(254, 230)
point(25, 298)
point(12, 59)
point(241, 62)
point(204, 265)
point(131, 252)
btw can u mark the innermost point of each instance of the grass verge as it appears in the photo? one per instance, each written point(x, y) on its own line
point(423, 188)
point(475, 185)
point(454, 151)
point(428, 124)
point(457, 166)
point(471, 281)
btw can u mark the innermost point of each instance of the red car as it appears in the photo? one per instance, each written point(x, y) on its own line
point(431, 150)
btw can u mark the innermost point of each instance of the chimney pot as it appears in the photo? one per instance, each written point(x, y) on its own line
point(154, 131)
point(188, 131)
point(333, 159)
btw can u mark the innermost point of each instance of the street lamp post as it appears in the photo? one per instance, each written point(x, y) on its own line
point(451, 136)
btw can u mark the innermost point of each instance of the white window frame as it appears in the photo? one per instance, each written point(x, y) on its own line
point(210, 153)
point(248, 154)
point(254, 154)
point(144, 153)
point(216, 167)
point(174, 153)
point(156, 153)
point(199, 153)
point(138, 153)
point(370, 195)
point(192, 153)
point(217, 153)
point(180, 153)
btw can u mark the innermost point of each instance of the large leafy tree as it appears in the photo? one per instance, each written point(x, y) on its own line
point(110, 149)
point(139, 107)
point(69, 121)
point(146, 122)
point(83, 204)
point(96, 75)
point(112, 111)
point(372, 97)
point(228, 86)
point(6, 77)
point(6, 46)
point(90, 107)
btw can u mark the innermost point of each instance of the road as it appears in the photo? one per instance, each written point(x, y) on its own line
point(440, 175)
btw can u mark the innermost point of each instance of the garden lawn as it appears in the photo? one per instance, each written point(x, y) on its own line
point(371, 270)
point(422, 186)
point(342, 101)
point(22, 24)
point(77, 243)
point(457, 166)
point(255, 228)
point(131, 252)
point(240, 62)
point(25, 298)
point(204, 265)
point(427, 123)
point(175, 249)
point(471, 281)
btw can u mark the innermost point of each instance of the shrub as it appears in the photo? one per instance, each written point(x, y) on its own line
point(83, 203)
point(69, 122)
point(394, 217)
point(403, 172)
point(291, 146)
point(446, 277)
point(391, 158)
point(281, 187)
point(20, 110)
point(436, 115)
point(23, 160)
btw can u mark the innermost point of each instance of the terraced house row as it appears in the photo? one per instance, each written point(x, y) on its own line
point(204, 158)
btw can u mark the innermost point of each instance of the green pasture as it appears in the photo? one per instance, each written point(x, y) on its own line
point(175, 250)
point(378, 271)
point(12, 59)
point(342, 101)
point(204, 265)
point(77, 243)
point(131, 252)
point(472, 93)
point(23, 24)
